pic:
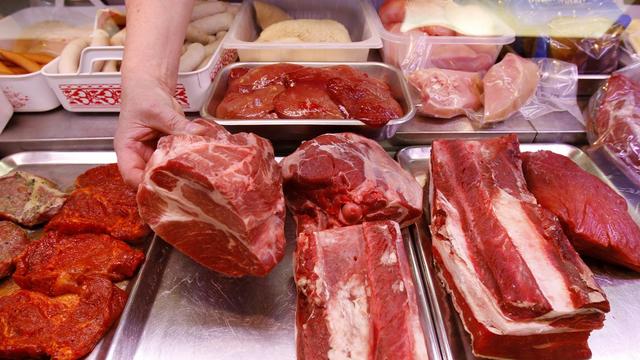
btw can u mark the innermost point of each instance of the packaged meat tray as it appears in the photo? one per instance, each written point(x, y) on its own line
point(351, 14)
point(618, 284)
point(300, 129)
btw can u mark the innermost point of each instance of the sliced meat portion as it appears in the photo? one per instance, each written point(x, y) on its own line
point(102, 203)
point(461, 57)
point(218, 199)
point(515, 279)
point(29, 199)
point(595, 218)
point(257, 104)
point(343, 179)
point(33, 325)
point(447, 93)
point(53, 264)
point(306, 101)
point(508, 86)
point(13, 240)
point(356, 295)
point(263, 76)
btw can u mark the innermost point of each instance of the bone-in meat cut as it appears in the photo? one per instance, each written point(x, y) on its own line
point(356, 298)
point(217, 198)
point(595, 218)
point(29, 199)
point(13, 240)
point(520, 288)
point(53, 264)
point(344, 179)
point(33, 325)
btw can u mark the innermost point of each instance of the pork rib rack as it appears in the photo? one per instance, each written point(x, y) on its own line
point(217, 198)
point(520, 288)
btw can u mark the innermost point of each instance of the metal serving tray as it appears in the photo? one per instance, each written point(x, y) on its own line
point(620, 337)
point(301, 129)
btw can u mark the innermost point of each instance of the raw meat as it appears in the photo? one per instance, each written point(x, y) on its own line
point(13, 239)
point(594, 217)
point(28, 199)
point(447, 93)
point(508, 86)
point(218, 199)
point(258, 104)
point(356, 298)
point(343, 179)
point(53, 264)
point(614, 123)
point(520, 288)
point(461, 57)
point(306, 101)
point(33, 325)
point(102, 204)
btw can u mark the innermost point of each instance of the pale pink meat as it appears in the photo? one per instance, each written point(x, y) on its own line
point(447, 93)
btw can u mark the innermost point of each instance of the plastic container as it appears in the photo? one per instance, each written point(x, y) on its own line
point(6, 111)
point(447, 52)
point(351, 13)
point(31, 92)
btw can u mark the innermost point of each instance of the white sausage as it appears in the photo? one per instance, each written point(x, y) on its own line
point(119, 38)
point(233, 9)
point(220, 35)
point(99, 37)
point(110, 66)
point(195, 34)
point(209, 49)
point(192, 57)
point(207, 9)
point(213, 24)
point(70, 55)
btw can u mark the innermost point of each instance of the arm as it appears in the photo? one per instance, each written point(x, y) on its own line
point(155, 33)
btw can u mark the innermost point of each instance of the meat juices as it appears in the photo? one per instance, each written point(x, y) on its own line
point(519, 286)
point(344, 179)
point(13, 240)
point(218, 199)
point(595, 218)
point(356, 298)
point(28, 199)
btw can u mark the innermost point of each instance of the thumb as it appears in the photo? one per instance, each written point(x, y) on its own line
point(177, 124)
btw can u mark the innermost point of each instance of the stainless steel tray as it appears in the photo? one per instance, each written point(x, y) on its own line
point(620, 337)
point(63, 167)
point(302, 129)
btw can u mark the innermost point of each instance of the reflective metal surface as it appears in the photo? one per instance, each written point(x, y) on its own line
point(304, 129)
point(620, 337)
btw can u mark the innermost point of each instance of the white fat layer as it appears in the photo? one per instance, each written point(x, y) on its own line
point(398, 286)
point(348, 321)
point(450, 244)
point(529, 243)
point(388, 257)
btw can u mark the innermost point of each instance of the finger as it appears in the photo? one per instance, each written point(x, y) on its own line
point(176, 124)
point(130, 161)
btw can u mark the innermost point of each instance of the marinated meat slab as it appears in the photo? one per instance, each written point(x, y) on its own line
point(356, 298)
point(53, 264)
point(595, 218)
point(13, 240)
point(33, 325)
point(614, 123)
point(290, 91)
point(519, 286)
point(28, 199)
point(343, 179)
point(218, 199)
point(102, 203)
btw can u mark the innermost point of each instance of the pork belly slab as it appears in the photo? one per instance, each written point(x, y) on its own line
point(519, 286)
point(356, 298)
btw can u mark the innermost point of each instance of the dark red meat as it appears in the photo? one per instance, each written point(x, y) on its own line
point(13, 240)
point(306, 101)
point(595, 218)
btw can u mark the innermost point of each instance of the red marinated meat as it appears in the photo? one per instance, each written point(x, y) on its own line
point(13, 240)
point(53, 264)
point(356, 297)
point(258, 104)
point(263, 76)
point(218, 199)
point(306, 101)
point(614, 123)
point(28, 199)
point(512, 273)
point(67, 327)
point(595, 218)
point(344, 179)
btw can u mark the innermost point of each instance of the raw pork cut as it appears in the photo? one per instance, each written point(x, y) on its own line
point(344, 179)
point(28, 199)
point(356, 298)
point(595, 218)
point(447, 93)
point(520, 288)
point(508, 86)
point(613, 122)
point(13, 240)
point(217, 198)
